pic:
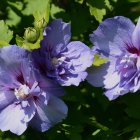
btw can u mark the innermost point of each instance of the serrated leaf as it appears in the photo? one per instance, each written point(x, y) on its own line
point(19, 40)
point(55, 9)
point(13, 16)
point(97, 9)
point(5, 34)
point(98, 60)
point(41, 7)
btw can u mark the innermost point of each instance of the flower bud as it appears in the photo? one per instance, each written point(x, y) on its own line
point(31, 34)
point(40, 23)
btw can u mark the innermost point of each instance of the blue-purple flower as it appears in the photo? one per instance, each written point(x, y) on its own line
point(60, 59)
point(117, 39)
point(26, 98)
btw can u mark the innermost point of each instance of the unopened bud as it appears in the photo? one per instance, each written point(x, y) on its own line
point(40, 23)
point(31, 34)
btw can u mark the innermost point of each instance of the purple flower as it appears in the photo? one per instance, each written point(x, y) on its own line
point(117, 39)
point(60, 59)
point(26, 98)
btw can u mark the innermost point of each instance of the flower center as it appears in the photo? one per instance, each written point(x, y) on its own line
point(54, 61)
point(126, 64)
point(22, 92)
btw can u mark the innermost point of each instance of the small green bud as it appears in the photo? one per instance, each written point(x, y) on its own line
point(40, 23)
point(31, 34)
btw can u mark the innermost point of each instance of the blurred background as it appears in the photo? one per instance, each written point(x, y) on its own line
point(91, 115)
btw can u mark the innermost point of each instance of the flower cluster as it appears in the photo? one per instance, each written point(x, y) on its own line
point(64, 61)
point(117, 39)
point(30, 82)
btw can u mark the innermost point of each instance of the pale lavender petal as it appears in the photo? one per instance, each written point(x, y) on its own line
point(111, 80)
point(101, 75)
point(136, 36)
point(80, 56)
point(113, 35)
point(49, 85)
point(13, 54)
point(29, 110)
point(50, 110)
point(56, 36)
point(11, 118)
point(6, 98)
point(74, 79)
point(115, 92)
point(96, 75)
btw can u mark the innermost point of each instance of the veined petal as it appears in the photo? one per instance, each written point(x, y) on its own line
point(6, 98)
point(13, 54)
point(48, 113)
point(73, 79)
point(112, 35)
point(136, 36)
point(51, 86)
point(115, 92)
point(111, 80)
point(29, 110)
point(56, 36)
point(80, 56)
point(11, 118)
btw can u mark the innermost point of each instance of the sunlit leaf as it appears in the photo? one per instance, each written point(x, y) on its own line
point(97, 9)
point(38, 7)
point(5, 34)
point(98, 60)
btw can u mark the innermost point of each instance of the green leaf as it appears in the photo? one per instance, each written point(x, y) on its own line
point(55, 9)
point(98, 60)
point(19, 40)
point(39, 8)
point(6, 35)
point(3, 43)
point(98, 9)
point(108, 5)
point(13, 17)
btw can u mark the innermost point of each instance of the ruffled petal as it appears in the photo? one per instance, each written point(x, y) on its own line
point(50, 110)
point(79, 55)
point(56, 36)
point(72, 79)
point(115, 92)
point(113, 35)
point(136, 36)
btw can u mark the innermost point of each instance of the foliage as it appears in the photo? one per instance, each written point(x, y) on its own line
point(91, 115)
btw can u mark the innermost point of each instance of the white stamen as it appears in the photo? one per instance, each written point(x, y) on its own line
point(22, 92)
